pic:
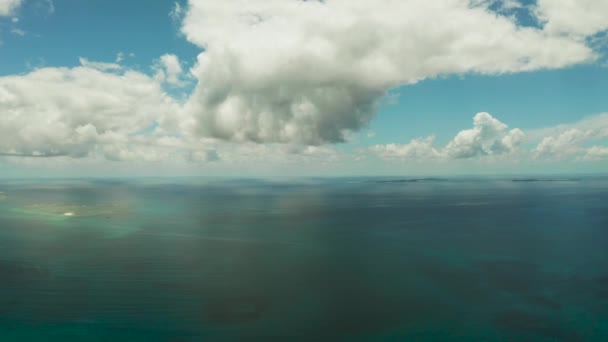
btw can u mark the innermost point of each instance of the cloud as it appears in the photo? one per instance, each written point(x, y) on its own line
point(568, 140)
point(170, 70)
point(278, 155)
point(488, 137)
point(33, 155)
point(505, 7)
point(102, 66)
point(122, 56)
point(597, 125)
point(491, 138)
point(511, 4)
point(76, 112)
point(8, 7)
point(573, 17)
point(563, 145)
point(417, 149)
point(204, 156)
point(177, 12)
point(310, 72)
point(596, 153)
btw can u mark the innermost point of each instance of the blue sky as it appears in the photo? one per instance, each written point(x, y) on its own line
point(527, 100)
point(205, 87)
point(94, 29)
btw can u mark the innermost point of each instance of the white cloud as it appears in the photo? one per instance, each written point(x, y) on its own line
point(511, 4)
point(8, 7)
point(502, 4)
point(491, 138)
point(568, 140)
point(157, 147)
point(170, 70)
point(277, 155)
point(563, 145)
point(573, 17)
point(122, 56)
point(75, 112)
point(416, 149)
point(596, 153)
point(177, 12)
point(488, 137)
point(203, 156)
point(311, 71)
point(597, 125)
point(102, 66)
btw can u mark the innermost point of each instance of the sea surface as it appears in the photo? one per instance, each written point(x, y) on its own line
point(365, 259)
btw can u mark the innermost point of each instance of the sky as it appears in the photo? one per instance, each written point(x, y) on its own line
point(266, 88)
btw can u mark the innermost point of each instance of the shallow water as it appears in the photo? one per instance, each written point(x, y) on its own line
point(315, 260)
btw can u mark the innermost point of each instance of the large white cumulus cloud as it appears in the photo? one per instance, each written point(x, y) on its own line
point(309, 71)
point(62, 111)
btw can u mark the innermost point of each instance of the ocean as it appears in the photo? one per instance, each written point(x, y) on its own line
point(345, 259)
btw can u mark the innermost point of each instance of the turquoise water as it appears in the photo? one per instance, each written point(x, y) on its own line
point(310, 260)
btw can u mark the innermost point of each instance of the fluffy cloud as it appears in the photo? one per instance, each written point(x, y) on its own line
point(416, 149)
point(511, 4)
point(595, 125)
point(278, 155)
point(8, 7)
point(311, 71)
point(563, 145)
point(170, 70)
point(73, 112)
point(567, 140)
point(596, 153)
point(573, 17)
point(488, 137)
point(491, 138)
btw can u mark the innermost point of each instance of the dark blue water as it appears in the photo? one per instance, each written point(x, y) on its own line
point(318, 260)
